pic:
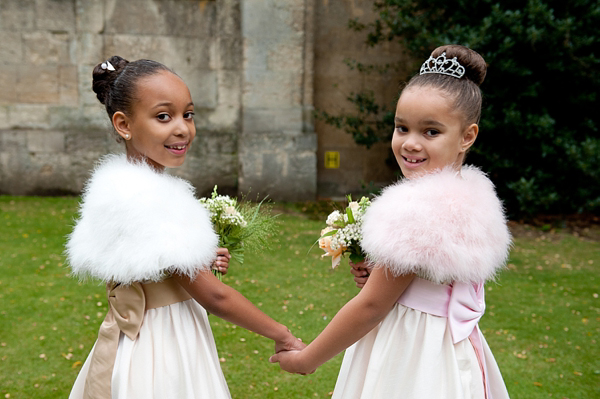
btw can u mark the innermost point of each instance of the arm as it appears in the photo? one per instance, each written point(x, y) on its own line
point(359, 316)
point(228, 304)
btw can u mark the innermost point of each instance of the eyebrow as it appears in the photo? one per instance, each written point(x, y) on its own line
point(168, 103)
point(427, 122)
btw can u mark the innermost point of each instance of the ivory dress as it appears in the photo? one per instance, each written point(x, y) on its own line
point(137, 227)
point(450, 230)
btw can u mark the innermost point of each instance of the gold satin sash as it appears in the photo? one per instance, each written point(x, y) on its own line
point(127, 304)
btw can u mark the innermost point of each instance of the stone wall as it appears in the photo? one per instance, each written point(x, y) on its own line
point(53, 129)
point(335, 81)
point(253, 68)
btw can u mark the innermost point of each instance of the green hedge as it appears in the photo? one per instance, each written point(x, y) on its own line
point(539, 136)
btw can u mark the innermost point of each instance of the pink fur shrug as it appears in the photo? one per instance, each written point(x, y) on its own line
point(445, 226)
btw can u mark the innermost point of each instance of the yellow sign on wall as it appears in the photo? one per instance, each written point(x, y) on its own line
point(332, 159)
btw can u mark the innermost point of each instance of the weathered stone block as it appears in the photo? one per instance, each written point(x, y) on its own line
point(28, 116)
point(222, 117)
point(3, 116)
point(273, 89)
point(11, 47)
point(274, 164)
point(90, 48)
point(38, 84)
point(161, 17)
point(55, 15)
point(230, 52)
point(287, 56)
point(8, 82)
point(68, 89)
point(17, 15)
point(89, 16)
point(45, 141)
point(203, 87)
point(257, 120)
point(44, 48)
point(94, 116)
point(177, 53)
point(84, 81)
point(267, 19)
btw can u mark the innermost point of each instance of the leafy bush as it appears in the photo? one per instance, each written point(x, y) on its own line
point(539, 138)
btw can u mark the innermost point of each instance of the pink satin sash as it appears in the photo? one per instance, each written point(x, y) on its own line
point(463, 304)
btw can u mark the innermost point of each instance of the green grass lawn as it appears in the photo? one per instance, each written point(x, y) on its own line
point(542, 320)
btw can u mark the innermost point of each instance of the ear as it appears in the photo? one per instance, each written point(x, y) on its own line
point(121, 124)
point(469, 137)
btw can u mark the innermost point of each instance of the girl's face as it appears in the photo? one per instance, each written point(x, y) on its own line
point(429, 133)
point(161, 127)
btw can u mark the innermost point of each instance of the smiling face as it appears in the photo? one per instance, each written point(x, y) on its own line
point(160, 128)
point(429, 133)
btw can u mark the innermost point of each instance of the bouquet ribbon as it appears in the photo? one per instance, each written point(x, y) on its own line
point(462, 304)
point(127, 304)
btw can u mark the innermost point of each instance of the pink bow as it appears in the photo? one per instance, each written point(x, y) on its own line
point(465, 308)
point(462, 304)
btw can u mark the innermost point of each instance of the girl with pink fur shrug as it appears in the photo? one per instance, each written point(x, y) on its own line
point(433, 240)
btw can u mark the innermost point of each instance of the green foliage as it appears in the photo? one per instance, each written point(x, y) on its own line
point(539, 129)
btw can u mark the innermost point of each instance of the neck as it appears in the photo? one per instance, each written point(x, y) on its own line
point(141, 158)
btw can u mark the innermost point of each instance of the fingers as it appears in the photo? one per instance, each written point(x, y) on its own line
point(360, 282)
point(222, 262)
point(274, 358)
point(223, 252)
point(359, 272)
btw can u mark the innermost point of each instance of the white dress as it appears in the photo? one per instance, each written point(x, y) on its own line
point(445, 226)
point(174, 356)
point(410, 355)
point(136, 227)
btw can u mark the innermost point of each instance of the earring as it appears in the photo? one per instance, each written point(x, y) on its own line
point(126, 136)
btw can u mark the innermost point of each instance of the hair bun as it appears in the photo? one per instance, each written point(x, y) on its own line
point(103, 77)
point(474, 64)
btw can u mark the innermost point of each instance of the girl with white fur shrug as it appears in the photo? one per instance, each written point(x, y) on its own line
point(143, 233)
point(432, 241)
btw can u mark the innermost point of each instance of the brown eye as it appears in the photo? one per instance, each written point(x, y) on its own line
point(163, 117)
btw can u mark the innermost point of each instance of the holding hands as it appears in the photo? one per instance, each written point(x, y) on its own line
point(291, 361)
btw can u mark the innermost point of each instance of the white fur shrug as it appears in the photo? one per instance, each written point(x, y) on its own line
point(445, 226)
point(137, 224)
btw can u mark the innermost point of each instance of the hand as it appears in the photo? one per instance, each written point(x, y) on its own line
point(289, 343)
point(290, 362)
point(361, 272)
point(222, 262)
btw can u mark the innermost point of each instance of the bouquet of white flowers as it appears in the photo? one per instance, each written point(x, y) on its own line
point(240, 226)
point(343, 232)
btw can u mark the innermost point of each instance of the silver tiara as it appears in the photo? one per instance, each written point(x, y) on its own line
point(443, 65)
point(107, 65)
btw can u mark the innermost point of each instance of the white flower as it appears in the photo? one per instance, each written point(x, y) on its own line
point(230, 210)
point(333, 218)
point(354, 207)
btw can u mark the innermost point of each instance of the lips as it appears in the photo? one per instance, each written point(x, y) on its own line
point(177, 148)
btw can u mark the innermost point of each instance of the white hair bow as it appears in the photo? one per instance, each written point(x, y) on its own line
point(107, 65)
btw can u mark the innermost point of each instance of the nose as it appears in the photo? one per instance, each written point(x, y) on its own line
point(183, 127)
point(412, 143)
